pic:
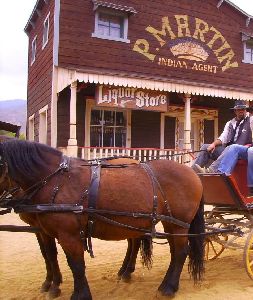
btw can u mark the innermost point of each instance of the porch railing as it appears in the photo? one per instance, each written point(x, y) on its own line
point(142, 154)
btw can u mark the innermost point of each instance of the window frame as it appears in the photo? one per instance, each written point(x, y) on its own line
point(45, 31)
point(43, 118)
point(111, 12)
point(33, 50)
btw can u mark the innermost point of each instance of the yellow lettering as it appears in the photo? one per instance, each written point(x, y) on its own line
point(142, 46)
point(165, 28)
point(228, 57)
point(217, 36)
point(223, 47)
point(183, 24)
point(201, 28)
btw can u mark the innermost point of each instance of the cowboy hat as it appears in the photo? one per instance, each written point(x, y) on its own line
point(240, 104)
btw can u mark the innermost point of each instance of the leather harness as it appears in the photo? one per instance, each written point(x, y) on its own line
point(90, 195)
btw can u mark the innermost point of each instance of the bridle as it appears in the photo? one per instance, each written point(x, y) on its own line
point(7, 198)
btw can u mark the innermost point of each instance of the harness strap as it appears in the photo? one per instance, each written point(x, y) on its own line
point(151, 175)
point(92, 197)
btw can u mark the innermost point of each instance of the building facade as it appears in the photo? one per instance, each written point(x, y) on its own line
point(120, 76)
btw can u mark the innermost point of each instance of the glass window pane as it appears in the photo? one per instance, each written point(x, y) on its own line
point(115, 32)
point(103, 30)
point(108, 137)
point(109, 117)
point(110, 25)
point(96, 117)
point(96, 136)
point(120, 121)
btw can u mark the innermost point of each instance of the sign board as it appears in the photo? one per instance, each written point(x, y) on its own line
point(131, 98)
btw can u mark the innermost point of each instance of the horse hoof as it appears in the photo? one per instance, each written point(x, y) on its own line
point(54, 292)
point(45, 286)
point(126, 277)
point(168, 292)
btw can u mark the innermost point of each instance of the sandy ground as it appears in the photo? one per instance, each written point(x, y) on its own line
point(22, 272)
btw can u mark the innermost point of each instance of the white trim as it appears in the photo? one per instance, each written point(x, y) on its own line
point(43, 109)
point(110, 38)
point(57, 9)
point(66, 77)
point(33, 50)
point(43, 118)
point(53, 114)
point(45, 42)
point(31, 127)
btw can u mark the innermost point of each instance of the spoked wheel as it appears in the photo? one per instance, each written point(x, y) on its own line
point(214, 245)
point(248, 255)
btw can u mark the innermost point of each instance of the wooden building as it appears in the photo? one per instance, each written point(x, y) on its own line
point(120, 76)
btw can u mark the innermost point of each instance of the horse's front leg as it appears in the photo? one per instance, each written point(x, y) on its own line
point(53, 278)
point(179, 251)
point(129, 262)
point(73, 249)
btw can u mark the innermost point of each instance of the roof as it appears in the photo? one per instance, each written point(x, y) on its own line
point(40, 3)
point(10, 127)
point(249, 17)
point(35, 14)
point(99, 3)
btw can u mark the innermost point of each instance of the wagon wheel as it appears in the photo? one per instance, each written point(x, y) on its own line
point(248, 255)
point(214, 245)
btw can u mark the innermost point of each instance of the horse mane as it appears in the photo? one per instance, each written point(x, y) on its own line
point(25, 158)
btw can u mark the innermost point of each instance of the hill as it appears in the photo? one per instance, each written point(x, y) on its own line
point(14, 111)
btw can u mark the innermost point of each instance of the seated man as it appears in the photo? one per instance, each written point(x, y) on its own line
point(236, 131)
point(227, 161)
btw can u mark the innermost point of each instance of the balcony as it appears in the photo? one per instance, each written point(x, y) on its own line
point(142, 154)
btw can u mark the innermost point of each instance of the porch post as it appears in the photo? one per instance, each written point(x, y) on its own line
point(72, 142)
point(187, 124)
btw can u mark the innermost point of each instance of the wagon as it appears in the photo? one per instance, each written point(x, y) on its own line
point(227, 203)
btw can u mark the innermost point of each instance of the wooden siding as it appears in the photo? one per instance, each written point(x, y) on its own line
point(79, 50)
point(145, 130)
point(40, 72)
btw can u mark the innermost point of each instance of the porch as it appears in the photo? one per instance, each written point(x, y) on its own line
point(142, 154)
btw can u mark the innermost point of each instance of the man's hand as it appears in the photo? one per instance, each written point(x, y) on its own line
point(211, 147)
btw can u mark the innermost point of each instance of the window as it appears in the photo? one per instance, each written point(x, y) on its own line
point(248, 48)
point(248, 51)
point(33, 50)
point(31, 128)
point(43, 125)
point(111, 25)
point(45, 32)
point(107, 128)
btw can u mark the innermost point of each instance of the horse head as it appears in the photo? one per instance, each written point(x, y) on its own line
point(24, 163)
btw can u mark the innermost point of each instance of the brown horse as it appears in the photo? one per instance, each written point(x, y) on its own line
point(163, 190)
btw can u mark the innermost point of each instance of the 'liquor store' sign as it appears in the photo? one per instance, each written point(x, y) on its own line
point(129, 97)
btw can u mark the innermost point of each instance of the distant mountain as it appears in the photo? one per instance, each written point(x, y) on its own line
point(14, 111)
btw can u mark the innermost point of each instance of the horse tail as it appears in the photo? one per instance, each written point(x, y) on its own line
point(197, 244)
point(146, 251)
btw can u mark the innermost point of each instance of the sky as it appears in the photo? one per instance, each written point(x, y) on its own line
point(14, 15)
